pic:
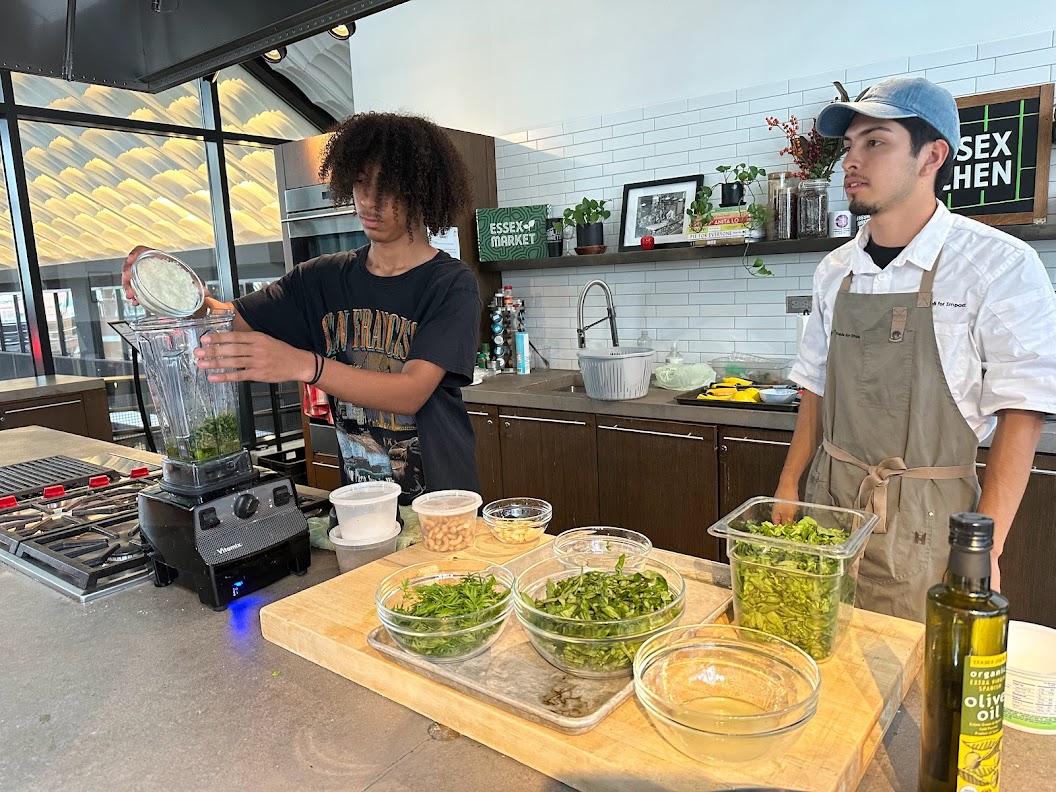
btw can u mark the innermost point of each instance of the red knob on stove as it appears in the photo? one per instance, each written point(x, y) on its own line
point(8, 501)
point(139, 472)
point(98, 481)
point(54, 492)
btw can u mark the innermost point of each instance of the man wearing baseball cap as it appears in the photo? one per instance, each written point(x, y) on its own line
point(929, 332)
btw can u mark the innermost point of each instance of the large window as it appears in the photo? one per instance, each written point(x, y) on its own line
point(15, 358)
point(180, 105)
point(96, 189)
point(246, 105)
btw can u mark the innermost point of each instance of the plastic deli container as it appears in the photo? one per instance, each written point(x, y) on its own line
point(803, 593)
point(166, 286)
point(448, 518)
point(352, 553)
point(760, 370)
point(366, 510)
point(1030, 682)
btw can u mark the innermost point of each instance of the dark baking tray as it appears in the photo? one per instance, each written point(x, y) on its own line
point(690, 397)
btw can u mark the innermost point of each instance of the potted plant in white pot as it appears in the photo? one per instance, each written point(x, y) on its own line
point(588, 217)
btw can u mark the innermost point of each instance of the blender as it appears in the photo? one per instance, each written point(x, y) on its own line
point(213, 524)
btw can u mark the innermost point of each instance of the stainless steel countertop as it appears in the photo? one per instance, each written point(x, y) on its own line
point(42, 387)
point(536, 391)
point(149, 688)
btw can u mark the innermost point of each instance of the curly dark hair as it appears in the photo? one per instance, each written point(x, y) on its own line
point(418, 167)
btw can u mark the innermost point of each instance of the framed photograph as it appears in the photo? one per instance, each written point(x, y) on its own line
point(657, 209)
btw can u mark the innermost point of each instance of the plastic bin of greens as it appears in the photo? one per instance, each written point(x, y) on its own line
point(796, 579)
point(760, 370)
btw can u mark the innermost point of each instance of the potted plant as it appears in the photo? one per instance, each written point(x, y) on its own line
point(746, 176)
point(732, 191)
point(701, 211)
point(587, 217)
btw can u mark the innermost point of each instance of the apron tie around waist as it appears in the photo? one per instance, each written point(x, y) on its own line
point(872, 493)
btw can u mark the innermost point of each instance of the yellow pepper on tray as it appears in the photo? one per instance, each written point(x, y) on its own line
point(728, 390)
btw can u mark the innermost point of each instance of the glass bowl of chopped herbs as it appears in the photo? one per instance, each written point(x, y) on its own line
point(795, 577)
point(602, 544)
point(721, 693)
point(589, 621)
point(446, 611)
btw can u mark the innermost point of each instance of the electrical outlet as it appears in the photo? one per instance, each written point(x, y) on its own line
point(798, 305)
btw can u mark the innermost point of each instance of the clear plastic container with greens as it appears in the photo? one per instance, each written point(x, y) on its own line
point(796, 578)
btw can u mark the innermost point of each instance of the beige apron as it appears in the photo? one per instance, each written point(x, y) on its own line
point(895, 443)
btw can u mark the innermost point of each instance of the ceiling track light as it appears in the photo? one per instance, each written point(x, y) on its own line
point(274, 55)
point(343, 32)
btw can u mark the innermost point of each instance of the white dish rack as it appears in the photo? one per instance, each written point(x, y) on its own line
point(616, 373)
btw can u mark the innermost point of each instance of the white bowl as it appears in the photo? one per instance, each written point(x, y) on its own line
point(778, 395)
point(1030, 684)
point(366, 510)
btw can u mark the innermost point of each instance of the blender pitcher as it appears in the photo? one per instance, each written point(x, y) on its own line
point(199, 419)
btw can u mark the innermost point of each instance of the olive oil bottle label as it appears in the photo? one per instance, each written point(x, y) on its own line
point(982, 712)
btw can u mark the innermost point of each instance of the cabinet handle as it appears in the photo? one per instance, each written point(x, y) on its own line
point(753, 440)
point(326, 465)
point(490, 422)
point(319, 215)
point(475, 412)
point(1033, 470)
point(653, 434)
point(41, 407)
point(541, 420)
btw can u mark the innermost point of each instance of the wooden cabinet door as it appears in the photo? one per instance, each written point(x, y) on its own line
point(660, 478)
point(553, 456)
point(750, 463)
point(1026, 563)
point(65, 413)
point(324, 472)
point(485, 422)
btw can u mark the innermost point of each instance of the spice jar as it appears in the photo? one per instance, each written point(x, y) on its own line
point(812, 209)
point(781, 199)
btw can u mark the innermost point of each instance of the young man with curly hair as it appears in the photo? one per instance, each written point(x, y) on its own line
point(389, 331)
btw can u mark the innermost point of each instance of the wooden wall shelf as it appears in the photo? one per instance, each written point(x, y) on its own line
point(1029, 233)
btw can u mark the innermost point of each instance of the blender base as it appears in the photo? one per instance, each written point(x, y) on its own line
point(227, 543)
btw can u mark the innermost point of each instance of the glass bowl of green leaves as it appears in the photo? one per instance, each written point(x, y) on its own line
point(601, 544)
point(720, 693)
point(589, 621)
point(794, 569)
point(446, 611)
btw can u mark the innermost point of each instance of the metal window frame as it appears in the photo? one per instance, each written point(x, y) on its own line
point(211, 133)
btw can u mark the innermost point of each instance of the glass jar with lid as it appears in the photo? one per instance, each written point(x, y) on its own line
point(781, 199)
point(812, 209)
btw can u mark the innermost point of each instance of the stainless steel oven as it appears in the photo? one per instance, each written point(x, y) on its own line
point(314, 226)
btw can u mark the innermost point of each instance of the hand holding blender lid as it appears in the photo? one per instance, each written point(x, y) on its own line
point(166, 286)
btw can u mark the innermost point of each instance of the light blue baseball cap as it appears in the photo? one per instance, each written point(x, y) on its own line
point(897, 97)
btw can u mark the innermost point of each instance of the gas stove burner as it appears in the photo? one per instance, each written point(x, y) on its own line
point(19, 524)
point(88, 554)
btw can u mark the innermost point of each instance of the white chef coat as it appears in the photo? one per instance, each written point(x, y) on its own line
point(993, 305)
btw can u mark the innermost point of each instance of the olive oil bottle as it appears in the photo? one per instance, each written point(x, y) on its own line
point(964, 667)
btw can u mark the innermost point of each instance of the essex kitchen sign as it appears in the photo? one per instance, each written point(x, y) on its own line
point(1001, 171)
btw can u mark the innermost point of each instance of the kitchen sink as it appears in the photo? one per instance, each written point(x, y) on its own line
point(572, 383)
point(570, 389)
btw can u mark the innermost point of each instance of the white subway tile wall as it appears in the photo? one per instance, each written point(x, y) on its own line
point(714, 306)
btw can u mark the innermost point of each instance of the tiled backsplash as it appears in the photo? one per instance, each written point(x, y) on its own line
point(711, 306)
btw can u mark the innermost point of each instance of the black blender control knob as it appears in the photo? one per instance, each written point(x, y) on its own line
point(246, 505)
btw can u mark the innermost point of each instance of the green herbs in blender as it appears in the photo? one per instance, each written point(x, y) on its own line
point(212, 437)
point(466, 604)
point(795, 595)
point(603, 604)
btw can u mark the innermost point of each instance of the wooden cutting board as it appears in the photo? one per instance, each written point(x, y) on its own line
point(863, 685)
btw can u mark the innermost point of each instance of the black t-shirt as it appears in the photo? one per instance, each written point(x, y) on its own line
point(333, 305)
point(882, 256)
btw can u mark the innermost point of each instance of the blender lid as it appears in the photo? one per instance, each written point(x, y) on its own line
point(157, 278)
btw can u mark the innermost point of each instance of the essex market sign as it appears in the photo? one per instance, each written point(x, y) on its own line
point(1001, 169)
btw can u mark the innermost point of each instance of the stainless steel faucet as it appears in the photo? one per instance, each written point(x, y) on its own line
point(581, 329)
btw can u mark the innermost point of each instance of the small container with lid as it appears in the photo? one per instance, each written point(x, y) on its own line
point(448, 518)
point(166, 286)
